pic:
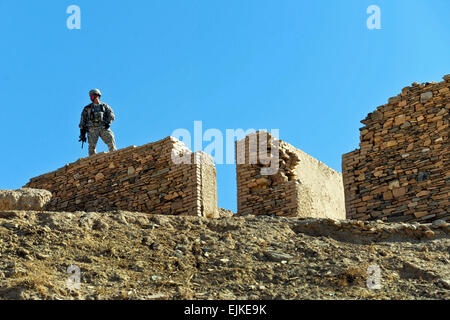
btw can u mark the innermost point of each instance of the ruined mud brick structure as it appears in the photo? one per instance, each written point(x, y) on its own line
point(401, 171)
point(143, 179)
point(302, 186)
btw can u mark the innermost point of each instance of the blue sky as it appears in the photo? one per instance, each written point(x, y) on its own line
point(311, 69)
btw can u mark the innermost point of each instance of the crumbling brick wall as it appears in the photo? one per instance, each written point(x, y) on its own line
point(302, 186)
point(143, 179)
point(401, 171)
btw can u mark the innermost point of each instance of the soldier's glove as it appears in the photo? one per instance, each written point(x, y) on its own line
point(83, 135)
point(107, 126)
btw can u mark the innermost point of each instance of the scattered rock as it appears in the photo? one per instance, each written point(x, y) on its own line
point(42, 256)
point(24, 199)
point(225, 213)
point(154, 246)
point(271, 257)
point(118, 276)
point(121, 218)
point(158, 296)
point(428, 233)
point(438, 223)
point(22, 252)
point(444, 283)
point(156, 278)
point(100, 225)
point(413, 271)
point(276, 256)
point(10, 225)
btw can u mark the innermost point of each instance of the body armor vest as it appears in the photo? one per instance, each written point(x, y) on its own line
point(96, 113)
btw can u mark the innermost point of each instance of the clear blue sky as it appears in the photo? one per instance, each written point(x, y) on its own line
point(311, 69)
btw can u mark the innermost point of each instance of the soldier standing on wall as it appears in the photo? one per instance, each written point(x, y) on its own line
point(96, 119)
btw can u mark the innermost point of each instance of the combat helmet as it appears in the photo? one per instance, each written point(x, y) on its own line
point(95, 91)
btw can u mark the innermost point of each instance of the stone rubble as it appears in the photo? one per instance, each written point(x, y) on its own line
point(24, 199)
point(251, 257)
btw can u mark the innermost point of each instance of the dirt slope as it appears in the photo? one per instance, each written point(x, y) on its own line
point(124, 255)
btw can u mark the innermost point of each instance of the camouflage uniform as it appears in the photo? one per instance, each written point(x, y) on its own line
point(97, 118)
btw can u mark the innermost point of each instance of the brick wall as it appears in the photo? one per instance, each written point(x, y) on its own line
point(302, 186)
point(401, 171)
point(143, 179)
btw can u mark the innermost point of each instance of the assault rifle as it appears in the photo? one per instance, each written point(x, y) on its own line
point(83, 139)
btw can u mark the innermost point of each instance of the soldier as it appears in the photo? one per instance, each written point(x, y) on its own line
point(96, 119)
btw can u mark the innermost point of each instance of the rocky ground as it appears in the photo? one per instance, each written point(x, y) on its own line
point(124, 255)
